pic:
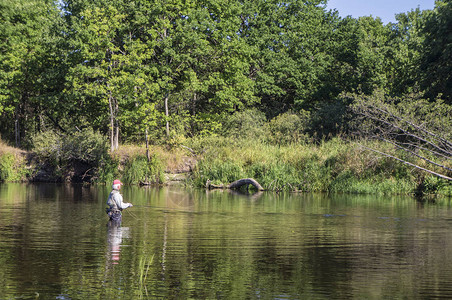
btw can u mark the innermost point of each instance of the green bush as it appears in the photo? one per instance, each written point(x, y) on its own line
point(12, 168)
point(329, 119)
point(6, 166)
point(433, 185)
point(86, 146)
point(248, 124)
point(48, 147)
point(85, 151)
point(288, 128)
point(205, 124)
point(107, 170)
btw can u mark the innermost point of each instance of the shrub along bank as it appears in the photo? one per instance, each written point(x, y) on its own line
point(334, 166)
point(82, 156)
point(13, 164)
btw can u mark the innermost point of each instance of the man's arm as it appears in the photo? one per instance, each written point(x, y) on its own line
point(120, 203)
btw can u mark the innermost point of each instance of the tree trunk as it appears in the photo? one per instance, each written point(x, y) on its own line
point(147, 145)
point(17, 132)
point(116, 135)
point(112, 123)
point(167, 115)
point(17, 126)
point(195, 98)
point(236, 184)
point(245, 181)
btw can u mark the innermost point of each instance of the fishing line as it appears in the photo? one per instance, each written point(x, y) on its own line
point(133, 215)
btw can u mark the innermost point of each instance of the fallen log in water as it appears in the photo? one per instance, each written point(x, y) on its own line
point(236, 184)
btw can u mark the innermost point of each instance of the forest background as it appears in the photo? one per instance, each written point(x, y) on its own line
point(287, 92)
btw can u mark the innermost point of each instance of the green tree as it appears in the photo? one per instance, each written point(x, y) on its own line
point(28, 64)
point(372, 52)
point(404, 52)
point(109, 78)
point(202, 64)
point(150, 62)
point(291, 51)
point(436, 61)
point(360, 56)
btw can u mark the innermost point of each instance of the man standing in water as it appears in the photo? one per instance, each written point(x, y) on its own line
point(115, 202)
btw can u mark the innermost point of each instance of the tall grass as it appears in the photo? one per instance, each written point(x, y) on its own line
point(144, 265)
point(331, 166)
point(335, 166)
point(8, 170)
point(13, 166)
point(138, 169)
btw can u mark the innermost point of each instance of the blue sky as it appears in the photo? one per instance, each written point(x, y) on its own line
point(385, 9)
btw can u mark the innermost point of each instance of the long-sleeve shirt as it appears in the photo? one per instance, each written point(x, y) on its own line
point(115, 201)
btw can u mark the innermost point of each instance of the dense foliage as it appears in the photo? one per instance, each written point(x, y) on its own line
point(79, 77)
point(180, 69)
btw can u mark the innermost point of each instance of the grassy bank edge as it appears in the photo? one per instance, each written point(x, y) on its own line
point(333, 166)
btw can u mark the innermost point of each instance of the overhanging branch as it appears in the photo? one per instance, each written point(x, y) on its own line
point(408, 163)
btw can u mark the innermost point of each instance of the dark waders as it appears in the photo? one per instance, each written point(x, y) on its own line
point(114, 215)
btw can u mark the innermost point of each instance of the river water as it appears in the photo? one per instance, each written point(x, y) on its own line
point(175, 243)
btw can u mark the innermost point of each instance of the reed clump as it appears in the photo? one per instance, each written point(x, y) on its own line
point(143, 267)
point(138, 169)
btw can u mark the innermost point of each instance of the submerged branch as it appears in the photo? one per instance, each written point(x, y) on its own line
point(236, 184)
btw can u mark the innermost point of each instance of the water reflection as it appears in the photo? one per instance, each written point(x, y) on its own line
point(253, 196)
point(198, 244)
point(115, 235)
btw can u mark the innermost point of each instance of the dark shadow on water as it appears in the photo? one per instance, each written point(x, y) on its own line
point(425, 199)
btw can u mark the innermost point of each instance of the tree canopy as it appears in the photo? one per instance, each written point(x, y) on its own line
point(182, 68)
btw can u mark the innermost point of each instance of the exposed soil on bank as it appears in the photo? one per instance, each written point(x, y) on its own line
point(4, 149)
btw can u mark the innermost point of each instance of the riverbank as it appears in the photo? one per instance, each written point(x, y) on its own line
point(129, 162)
point(334, 166)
